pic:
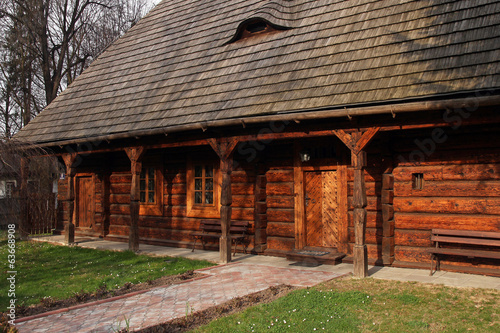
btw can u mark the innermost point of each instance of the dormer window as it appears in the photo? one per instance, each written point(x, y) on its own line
point(259, 26)
point(255, 27)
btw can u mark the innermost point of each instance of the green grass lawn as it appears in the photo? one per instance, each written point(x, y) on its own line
point(368, 305)
point(45, 270)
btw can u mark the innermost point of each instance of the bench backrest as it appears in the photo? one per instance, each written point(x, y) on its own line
point(486, 238)
point(240, 227)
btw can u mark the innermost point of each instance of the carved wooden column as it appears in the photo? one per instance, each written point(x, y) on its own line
point(356, 142)
point(23, 202)
point(69, 228)
point(224, 150)
point(359, 202)
point(135, 155)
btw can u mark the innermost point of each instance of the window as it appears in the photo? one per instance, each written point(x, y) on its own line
point(418, 181)
point(204, 184)
point(151, 191)
point(9, 189)
point(203, 189)
point(148, 186)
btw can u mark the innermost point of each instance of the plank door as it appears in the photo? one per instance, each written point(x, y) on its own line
point(322, 209)
point(85, 202)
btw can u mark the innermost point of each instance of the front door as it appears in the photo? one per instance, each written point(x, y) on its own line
point(85, 202)
point(322, 208)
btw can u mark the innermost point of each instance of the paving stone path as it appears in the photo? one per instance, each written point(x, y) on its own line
point(162, 304)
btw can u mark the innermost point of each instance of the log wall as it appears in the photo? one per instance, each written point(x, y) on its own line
point(461, 190)
point(174, 227)
point(374, 221)
point(280, 199)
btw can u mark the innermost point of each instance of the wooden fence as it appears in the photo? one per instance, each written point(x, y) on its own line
point(41, 212)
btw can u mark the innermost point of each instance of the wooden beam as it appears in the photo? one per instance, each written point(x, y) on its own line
point(69, 228)
point(345, 137)
point(299, 198)
point(365, 138)
point(135, 155)
point(225, 150)
point(356, 142)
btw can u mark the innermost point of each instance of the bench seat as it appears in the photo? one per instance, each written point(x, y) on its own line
point(212, 229)
point(465, 243)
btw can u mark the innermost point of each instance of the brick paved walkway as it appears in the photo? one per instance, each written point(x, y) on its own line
point(162, 304)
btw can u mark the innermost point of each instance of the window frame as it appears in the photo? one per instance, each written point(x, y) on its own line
point(153, 208)
point(202, 210)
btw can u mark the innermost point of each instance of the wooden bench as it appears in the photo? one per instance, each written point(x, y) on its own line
point(470, 244)
point(212, 229)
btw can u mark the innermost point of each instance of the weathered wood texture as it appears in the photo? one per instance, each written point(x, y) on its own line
point(461, 191)
point(374, 221)
point(174, 227)
point(260, 207)
point(280, 198)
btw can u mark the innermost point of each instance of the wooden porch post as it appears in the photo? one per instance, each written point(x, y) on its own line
point(356, 142)
point(359, 202)
point(69, 228)
point(224, 150)
point(23, 199)
point(135, 155)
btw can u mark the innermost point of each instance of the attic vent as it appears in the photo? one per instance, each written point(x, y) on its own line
point(255, 27)
point(258, 26)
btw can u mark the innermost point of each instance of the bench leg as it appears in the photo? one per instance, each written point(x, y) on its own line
point(194, 243)
point(240, 241)
point(432, 262)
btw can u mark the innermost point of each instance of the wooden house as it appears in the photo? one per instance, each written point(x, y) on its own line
point(354, 125)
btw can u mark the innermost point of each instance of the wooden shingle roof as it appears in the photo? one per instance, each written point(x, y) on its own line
point(176, 67)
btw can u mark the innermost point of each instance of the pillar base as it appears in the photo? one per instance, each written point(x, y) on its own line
point(225, 249)
point(360, 254)
point(69, 233)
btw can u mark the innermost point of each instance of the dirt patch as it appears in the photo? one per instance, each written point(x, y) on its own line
point(49, 304)
point(235, 305)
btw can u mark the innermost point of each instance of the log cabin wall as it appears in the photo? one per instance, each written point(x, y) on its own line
point(374, 221)
point(280, 199)
point(451, 183)
point(173, 227)
point(96, 215)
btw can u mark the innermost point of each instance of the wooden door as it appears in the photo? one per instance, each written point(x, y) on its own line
point(85, 202)
point(322, 208)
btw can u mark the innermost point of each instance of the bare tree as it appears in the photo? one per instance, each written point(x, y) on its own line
point(48, 43)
